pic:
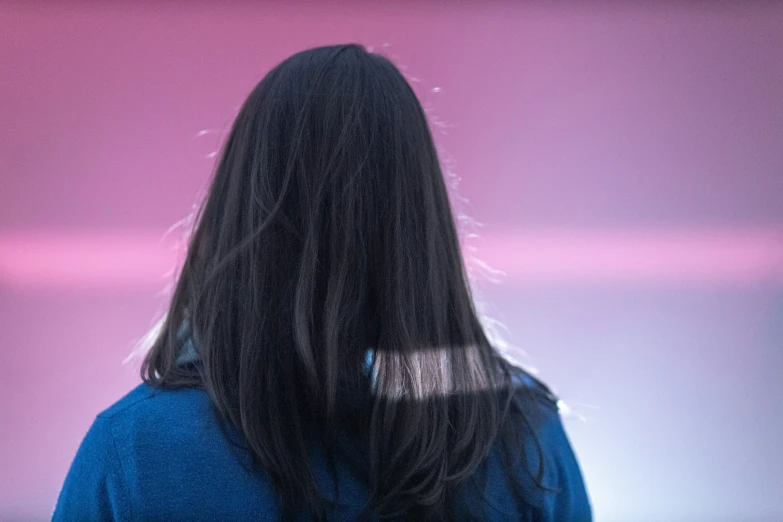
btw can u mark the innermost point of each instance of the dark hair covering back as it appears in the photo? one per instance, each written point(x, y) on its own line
point(327, 230)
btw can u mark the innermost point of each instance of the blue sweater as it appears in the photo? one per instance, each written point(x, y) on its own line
point(162, 455)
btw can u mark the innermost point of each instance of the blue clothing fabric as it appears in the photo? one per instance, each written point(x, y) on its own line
point(163, 455)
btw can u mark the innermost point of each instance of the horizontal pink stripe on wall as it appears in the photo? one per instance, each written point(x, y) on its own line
point(145, 259)
point(635, 256)
point(82, 259)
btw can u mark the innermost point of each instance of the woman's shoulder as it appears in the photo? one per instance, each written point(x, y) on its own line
point(158, 413)
point(146, 402)
point(544, 465)
point(166, 419)
point(532, 395)
point(159, 454)
point(536, 413)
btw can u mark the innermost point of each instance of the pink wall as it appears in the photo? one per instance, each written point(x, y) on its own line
point(626, 162)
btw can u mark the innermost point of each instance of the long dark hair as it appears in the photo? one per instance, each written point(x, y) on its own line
point(324, 288)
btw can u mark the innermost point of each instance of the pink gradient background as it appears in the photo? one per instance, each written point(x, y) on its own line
point(626, 161)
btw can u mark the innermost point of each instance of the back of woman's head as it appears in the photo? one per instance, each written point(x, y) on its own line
point(325, 265)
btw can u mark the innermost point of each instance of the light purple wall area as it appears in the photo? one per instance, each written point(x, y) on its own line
point(626, 164)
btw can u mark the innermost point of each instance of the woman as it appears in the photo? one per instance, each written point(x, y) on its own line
point(321, 357)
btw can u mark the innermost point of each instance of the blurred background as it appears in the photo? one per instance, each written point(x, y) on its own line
point(625, 160)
